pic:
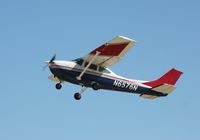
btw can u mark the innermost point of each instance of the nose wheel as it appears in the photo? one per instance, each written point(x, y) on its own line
point(58, 86)
point(77, 95)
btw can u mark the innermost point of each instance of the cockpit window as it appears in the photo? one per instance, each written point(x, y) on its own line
point(92, 66)
point(103, 70)
point(79, 61)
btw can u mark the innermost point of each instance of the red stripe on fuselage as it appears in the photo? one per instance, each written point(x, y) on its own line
point(113, 49)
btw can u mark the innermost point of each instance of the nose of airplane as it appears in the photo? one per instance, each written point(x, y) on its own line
point(49, 62)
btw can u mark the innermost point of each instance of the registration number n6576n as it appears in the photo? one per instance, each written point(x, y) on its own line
point(125, 85)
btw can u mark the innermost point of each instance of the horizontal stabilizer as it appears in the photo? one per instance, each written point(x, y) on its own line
point(148, 96)
point(164, 88)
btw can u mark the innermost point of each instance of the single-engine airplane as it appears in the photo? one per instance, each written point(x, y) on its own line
point(92, 71)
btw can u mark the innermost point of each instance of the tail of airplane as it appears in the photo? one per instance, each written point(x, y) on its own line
point(165, 84)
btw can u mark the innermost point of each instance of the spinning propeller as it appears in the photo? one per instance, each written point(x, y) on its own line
point(52, 59)
point(49, 62)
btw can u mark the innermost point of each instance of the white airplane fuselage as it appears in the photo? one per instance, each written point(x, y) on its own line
point(92, 70)
point(103, 78)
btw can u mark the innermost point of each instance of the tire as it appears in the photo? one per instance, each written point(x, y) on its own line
point(77, 96)
point(58, 86)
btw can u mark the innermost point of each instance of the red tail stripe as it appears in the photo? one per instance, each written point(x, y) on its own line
point(170, 77)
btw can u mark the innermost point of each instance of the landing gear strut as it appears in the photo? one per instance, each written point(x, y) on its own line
point(58, 86)
point(77, 95)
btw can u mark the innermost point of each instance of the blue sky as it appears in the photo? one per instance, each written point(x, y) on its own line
point(167, 35)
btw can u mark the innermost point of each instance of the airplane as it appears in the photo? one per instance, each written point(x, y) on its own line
point(92, 71)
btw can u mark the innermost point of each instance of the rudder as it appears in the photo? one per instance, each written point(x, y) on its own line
point(169, 78)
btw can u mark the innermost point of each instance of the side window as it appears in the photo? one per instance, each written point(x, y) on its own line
point(92, 66)
point(103, 70)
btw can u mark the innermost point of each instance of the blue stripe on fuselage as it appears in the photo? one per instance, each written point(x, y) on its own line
point(104, 83)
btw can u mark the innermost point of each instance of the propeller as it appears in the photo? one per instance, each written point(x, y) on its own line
point(52, 59)
point(49, 62)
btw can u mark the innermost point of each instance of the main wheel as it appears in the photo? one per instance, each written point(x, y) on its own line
point(77, 96)
point(95, 86)
point(58, 86)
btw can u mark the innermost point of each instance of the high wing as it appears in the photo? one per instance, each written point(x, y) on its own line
point(110, 52)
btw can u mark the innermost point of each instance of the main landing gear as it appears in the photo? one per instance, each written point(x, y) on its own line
point(95, 86)
point(58, 86)
point(77, 95)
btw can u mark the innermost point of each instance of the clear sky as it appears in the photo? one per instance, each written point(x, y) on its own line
point(167, 34)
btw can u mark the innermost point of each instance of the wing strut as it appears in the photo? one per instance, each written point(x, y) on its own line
point(93, 58)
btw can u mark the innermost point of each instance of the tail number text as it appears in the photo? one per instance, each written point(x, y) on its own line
point(125, 85)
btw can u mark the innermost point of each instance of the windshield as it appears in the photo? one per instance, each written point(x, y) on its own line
point(79, 61)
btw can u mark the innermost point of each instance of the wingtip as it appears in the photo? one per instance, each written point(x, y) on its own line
point(126, 38)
